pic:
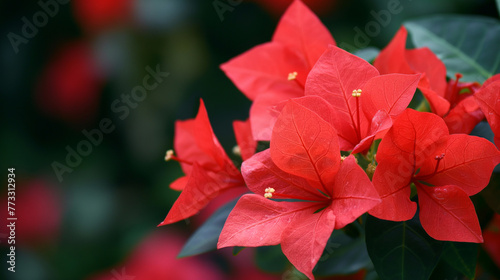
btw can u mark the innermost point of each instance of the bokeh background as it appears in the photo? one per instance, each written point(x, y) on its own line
point(68, 72)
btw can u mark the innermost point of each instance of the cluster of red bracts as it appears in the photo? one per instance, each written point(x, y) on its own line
point(312, 100)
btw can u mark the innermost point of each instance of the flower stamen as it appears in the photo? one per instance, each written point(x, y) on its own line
point(438, 158)
point(292, 76)
point(170, 156)
point(356, 92)
point(269, 192)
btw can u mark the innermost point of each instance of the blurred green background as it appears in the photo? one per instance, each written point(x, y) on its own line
point(65, 66)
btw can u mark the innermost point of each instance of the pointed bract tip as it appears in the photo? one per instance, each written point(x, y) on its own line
point(161, 224)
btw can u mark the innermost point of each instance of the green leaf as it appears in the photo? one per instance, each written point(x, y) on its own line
point(466, 44)
point(462, 257)
point(206, 237)
point(368, 54)
point(445, 271)
point(401, 250)
point(271, 259)
point(498, 6)
point(343, 254)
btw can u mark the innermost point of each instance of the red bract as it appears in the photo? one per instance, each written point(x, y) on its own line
point(453, 100)
point(303, 163)
point(364, 102)
point(488, 98)
point(276, 71)
point(446, 170)
point(246, 144)
point(208, 169)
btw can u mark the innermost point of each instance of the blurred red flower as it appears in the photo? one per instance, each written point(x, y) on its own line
point(491, 237)
point(70, 85)
point(95, 15)
point(243, 266)
point(155, 258)
point(38, 211)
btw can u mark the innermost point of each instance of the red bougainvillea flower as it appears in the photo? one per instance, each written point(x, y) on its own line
point(276, 71)
point(446, 170)
point(94, 15)
point(364, 102)
point(303, 163)
point(155, 258)
point(209, 171)
point(69, 88)
point(488, 98)
point(453, 100)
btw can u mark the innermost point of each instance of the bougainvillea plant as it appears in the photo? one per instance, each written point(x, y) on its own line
point(349, 167)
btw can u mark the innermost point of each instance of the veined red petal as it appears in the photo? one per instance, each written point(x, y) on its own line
point(491, 80)
point(447, 213)
point(393, 186)
point(391, 93)
point(257, 221)
point(263, 113)
point(305, 145)
point(260, 173)
point(464, 117)
point(467, 163)
point(395, 58)
point(353, 193)
point(488, 98)
point(423, 60)
point(413, 138)
point(265, 68)
point(244, 138)
point(301, 30)
point(334, 77)
point(438, 104)
point(180, 183)
point(200, 189)
point(304, 240)
point(392, 59)
point(195, 142)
